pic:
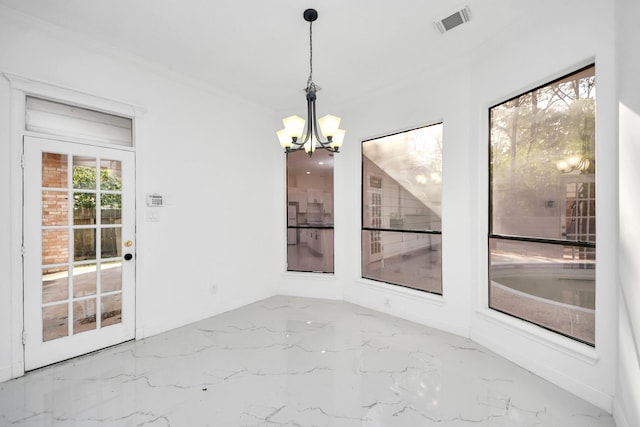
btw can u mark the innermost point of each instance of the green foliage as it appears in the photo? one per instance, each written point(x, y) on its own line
point(85, 178)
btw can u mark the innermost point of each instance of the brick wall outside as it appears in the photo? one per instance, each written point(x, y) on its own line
point(55, 212)
point(54, 170)
point(55, 207)
point(55, 249)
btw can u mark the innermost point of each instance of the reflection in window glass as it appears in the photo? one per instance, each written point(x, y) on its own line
point(545, 284)
point(55, 321)
point(55, 284)
point(543, 206)
point(310, 249)
point(418, 268)
point(84, 315)
point(310, 212)
point(111, 276)
point(401, 209)
point(111, 309)
point(85, 278)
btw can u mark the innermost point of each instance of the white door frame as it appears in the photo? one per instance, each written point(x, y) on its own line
point(21, 87)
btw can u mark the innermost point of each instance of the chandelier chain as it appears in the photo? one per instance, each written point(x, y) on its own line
point(310, 80)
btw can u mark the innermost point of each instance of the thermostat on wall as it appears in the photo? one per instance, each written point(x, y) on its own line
point(155, 200)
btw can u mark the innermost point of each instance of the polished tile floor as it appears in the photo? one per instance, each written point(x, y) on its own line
point(293, 362)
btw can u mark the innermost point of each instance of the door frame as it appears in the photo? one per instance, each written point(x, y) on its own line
point(20, 88)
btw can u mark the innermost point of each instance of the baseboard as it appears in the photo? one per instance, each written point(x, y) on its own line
point(5, 373)
point(405, 304)
point(310, 285)
point(619, 416)
point(584, 391)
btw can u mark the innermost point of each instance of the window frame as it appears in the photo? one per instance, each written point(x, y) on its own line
point(316, 227)
point(491, 235)
point(364, 228)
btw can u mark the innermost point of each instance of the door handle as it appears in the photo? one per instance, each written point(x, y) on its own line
point(128, 257)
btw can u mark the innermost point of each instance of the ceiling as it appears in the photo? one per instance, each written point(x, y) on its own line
point(259, 49)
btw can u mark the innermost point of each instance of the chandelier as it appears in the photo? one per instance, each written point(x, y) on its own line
point(294, 137)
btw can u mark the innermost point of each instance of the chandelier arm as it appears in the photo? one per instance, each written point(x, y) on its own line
point(307, 136)
point(314, 120)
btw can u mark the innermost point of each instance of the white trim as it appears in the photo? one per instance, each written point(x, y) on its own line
point(541, 367)
point(317, 285)
point(16, 275)
point(618, 415)
point(405, 303)
point(5, 373)
point(627, 315)
point(552, 340)
point(308, 275)
point(405, 292)
point(67, 95)
point(77, 141)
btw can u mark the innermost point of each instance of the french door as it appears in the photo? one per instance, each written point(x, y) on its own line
point(79, 249)
point(373, 238)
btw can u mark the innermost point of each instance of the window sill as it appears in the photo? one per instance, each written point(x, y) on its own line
point(405, 292)
point(308, 275)
point(574, 349)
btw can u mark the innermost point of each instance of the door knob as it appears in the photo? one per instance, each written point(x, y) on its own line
point(128, 257)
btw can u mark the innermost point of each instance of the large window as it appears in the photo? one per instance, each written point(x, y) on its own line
point(401, 209)
point(542, 206)
point(310, 211)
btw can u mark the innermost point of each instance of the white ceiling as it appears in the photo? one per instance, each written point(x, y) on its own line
point(259, 49)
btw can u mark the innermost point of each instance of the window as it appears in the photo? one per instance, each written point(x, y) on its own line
point(59, 119)
point(401, 209)
point(310, 211)
point(542, 231)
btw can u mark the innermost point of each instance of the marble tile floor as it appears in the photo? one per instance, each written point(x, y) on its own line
point(289, 361)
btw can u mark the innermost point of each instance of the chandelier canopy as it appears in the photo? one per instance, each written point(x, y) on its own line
point(294, 137)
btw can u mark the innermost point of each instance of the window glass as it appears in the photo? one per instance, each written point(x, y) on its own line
point(543, 206)
point(59, 119)
point(401, 209)
point(310, 211)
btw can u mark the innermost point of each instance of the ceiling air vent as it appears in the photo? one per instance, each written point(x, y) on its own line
point(453, 20)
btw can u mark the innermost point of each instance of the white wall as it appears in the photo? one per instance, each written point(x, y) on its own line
point(549, 40)
point(5, 240)
point(627, 407)
point(204, 255)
